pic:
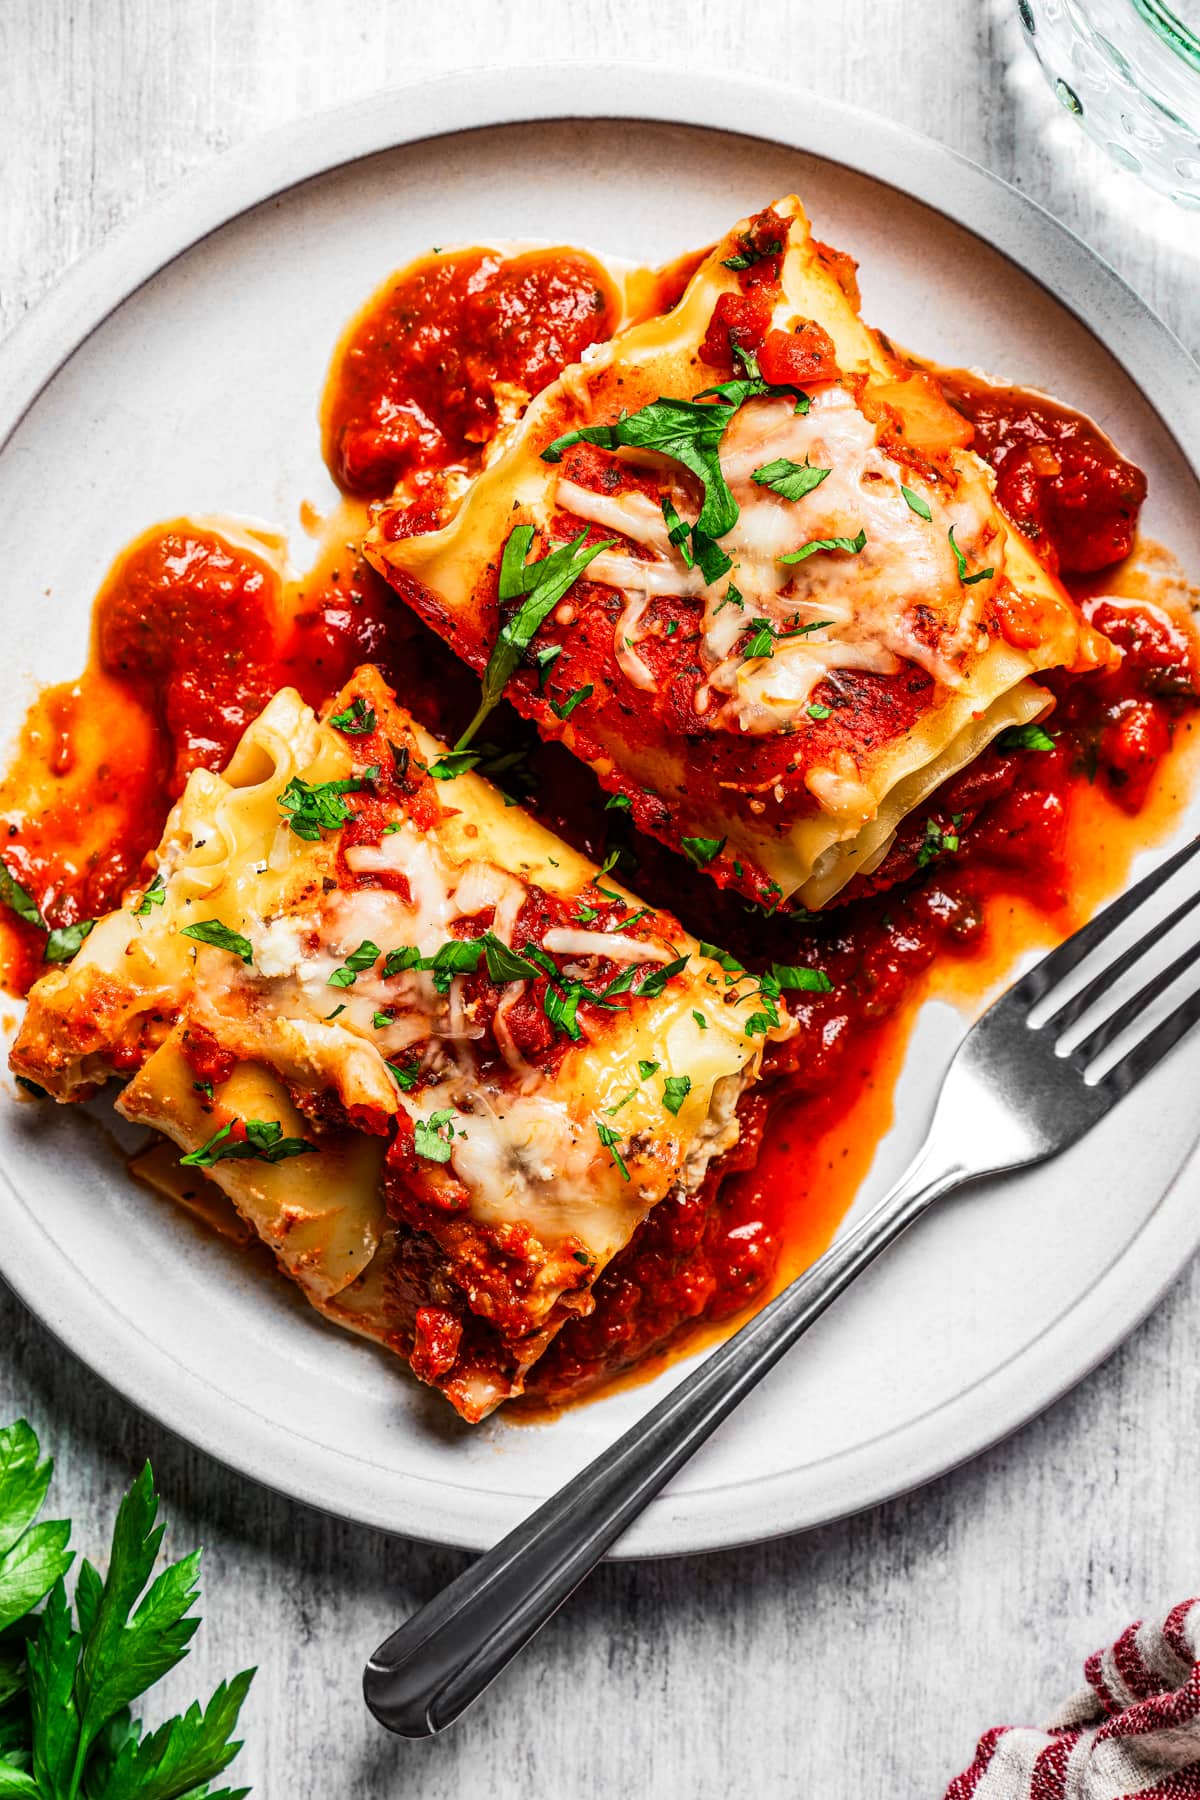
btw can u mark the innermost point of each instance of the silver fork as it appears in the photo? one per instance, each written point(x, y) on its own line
point(1012, 1097)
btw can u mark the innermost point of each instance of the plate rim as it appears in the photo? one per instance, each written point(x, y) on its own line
point(1160, 366)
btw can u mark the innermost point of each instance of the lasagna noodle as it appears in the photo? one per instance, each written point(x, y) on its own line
point(899, 604)
point(525, 1203)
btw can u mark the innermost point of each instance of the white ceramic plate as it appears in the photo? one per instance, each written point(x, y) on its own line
point(179, 370)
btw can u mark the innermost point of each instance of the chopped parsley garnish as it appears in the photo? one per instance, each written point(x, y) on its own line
point(611, 1141)
point(732, 597)
point(357, 720)
point(65, 940)
point(393, 826)
point(622, 1102)
point(397, 961)
point(581, 1256)
point(792, 480)
point(381, 1020)
point(19, 900)
point(401, 756)
point(763, 641)
point(562, 709)
point(916, 503)
point(337, 1011)
point(711, 560)
point(936, 842)
point(751, 253)
point(703, 850)
point(647, 1069)
point(203, 1087)
point(816, 711)
point(618, 803)
point(453, 764)
point(796, 976)
point(678, 530)
point(586, 915)
point(671, 628)
point(700, 1019)
point(852, 545)
point(655, 982)
point(544, 584)
point(432, 1136)
point(211, 931)
point(263, 1142)
point(1025, 737)
point(154, 895)
point(407, 1076)
point(729, 963)
point(504, 964)
point(686, 431)
point(365, 957)
point(457, 956)
point(544, 661)
point(961, 561)
point(311, 808)
point(676, 1089)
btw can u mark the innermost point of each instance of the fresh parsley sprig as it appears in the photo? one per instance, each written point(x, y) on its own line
point(262, 1141)
point(313, 807)
point(70, 1675)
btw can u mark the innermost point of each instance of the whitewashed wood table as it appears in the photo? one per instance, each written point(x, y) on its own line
point(863, 1658)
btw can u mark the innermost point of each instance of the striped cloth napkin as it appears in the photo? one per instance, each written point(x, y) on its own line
point(1134, 1729)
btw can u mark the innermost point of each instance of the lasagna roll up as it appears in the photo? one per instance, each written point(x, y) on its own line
point(442, 1064)
point(796, 609)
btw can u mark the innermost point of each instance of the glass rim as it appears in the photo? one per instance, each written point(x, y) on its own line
point(1179, 38)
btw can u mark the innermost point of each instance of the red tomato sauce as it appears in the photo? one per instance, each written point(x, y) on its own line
point(413, 389)
point(193, 631)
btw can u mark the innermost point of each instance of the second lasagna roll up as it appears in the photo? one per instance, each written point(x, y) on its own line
point(440, 1062)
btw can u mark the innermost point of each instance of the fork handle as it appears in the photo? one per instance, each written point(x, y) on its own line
point(441, 1659)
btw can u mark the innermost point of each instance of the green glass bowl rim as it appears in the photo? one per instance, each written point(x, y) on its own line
point(1170, 30)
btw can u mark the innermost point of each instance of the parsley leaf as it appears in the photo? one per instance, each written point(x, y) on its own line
point(653, 984)
point(711, 560)
point(961, 561)
point(916, 503)
point(792, 480)
point(808, 981)
point(311, 808)
point(32, 1556)
point(544, 661)
point(211, 931)
point(365, 957)
point(647, 1069)
point(432, 1136)
point(397, 961)
point(14, 896)
point(703, 850)
point(611, 1141)
point(544, 582)
point(263, 1142)
point(454, 763)
point(853, 545)
point(751, 253)
point(504, 964)
point(935, 843)
point(562, 709)
point(1025, 737)
point(65, 940)
point(678, 530)
point(816, 711)
point(685, 430)
point(407, 1076)
point(154, 895)
point(357, 720)
point(763, 641)
point(676, 1089)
